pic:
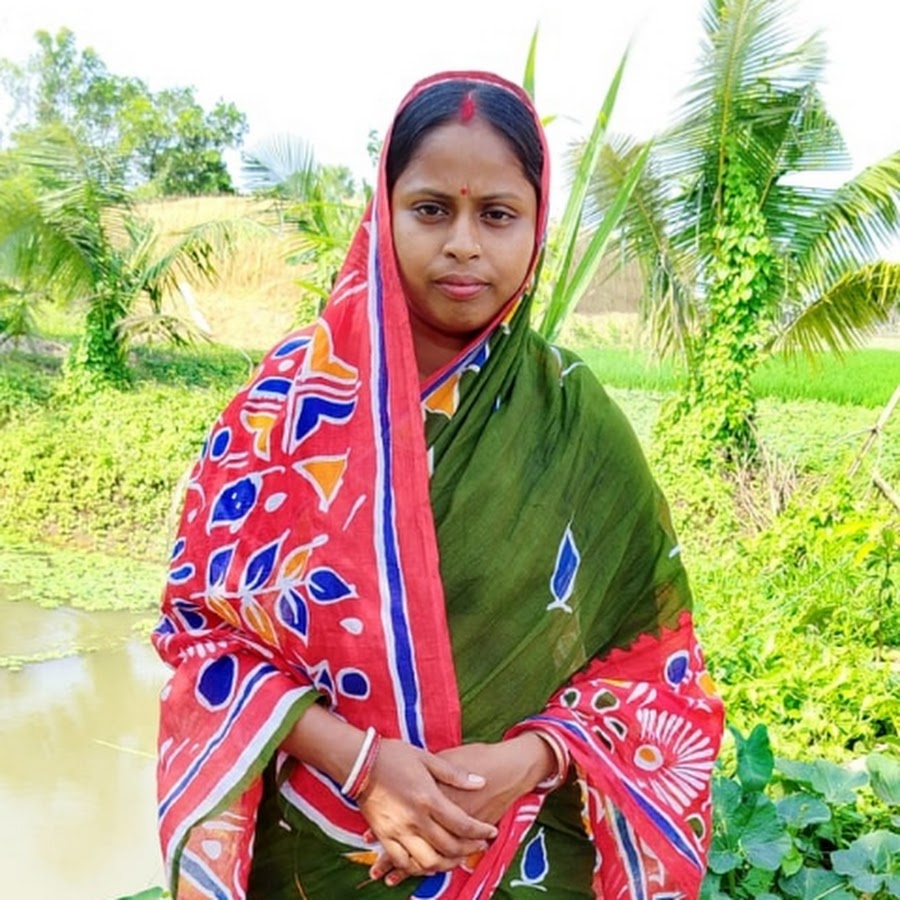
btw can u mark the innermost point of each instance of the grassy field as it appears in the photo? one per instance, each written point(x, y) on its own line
point(865, 377)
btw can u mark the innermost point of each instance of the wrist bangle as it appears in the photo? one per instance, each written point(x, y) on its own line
point(361, 770)
point(561, 755)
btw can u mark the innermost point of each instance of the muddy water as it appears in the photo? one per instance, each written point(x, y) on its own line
point(77, 737)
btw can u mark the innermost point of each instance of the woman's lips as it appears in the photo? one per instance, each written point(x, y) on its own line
point(460, 288)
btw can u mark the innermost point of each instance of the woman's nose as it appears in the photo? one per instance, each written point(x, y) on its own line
point(462, 239)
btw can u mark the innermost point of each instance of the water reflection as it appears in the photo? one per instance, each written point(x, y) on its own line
point(77, 737)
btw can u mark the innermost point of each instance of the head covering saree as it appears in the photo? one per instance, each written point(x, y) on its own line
point(508, 566)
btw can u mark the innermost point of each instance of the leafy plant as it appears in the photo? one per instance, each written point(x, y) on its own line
point(740, 255)
point(783, 828)
point(68, 230)
point(320, 202)
point(563, 280)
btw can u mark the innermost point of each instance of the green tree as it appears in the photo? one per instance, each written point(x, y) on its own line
point(69, 233)
point(741, 254)
point(166, 140)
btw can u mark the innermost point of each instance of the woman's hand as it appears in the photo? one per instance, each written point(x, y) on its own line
point(510, 769)
point(407, 806)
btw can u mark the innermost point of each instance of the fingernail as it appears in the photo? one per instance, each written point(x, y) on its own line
point(369, 836)
point(375, 873)
point(475, 779)
point(392, 879)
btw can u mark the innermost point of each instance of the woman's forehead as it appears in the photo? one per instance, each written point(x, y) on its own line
point(475, 150)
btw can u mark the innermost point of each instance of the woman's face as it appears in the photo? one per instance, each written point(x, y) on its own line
point(463, 218)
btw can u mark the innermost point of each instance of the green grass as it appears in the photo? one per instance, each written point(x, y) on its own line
point(860, 378)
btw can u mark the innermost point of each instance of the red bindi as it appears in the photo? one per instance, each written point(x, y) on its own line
point(463, 191)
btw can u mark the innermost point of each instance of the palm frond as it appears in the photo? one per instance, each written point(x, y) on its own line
point(843, 316)
point(749, 62)
point(643, 235)
point(191, 260)
point(283, 164)
point(854, 223)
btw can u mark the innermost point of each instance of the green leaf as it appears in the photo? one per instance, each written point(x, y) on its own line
point(711, 888)
point(726, 799)
point(154, 893)
point(796, 770)
point(723, 861)
point(793, 861)
point(802, 809)
point(755, 758)
point(570, 223)
point(528, 77)
point(869, 860)
point(884, 772)
point(836, 784)
point(813, 884)
point(764, 839)
point(587, 266)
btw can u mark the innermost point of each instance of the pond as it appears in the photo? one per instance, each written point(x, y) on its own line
point(78, 718)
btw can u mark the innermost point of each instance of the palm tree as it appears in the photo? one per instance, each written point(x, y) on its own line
point(321, 202)
point(69, 232)
point(741, 255)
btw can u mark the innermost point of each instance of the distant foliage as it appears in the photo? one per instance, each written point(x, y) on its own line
point(165, 142)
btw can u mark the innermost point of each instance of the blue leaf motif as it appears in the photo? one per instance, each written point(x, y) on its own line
point(353, 683)
point(221, 440)
point(326, 586)
point(323, 680)
point(181, 574)
point(534, 866)
point(190, 615)
point(216, 681)
point(178, 549)
point(315, 409)
point(562, 582)
point(217, 569)
point(293, 613)
point(260, 566)
point(677, 667)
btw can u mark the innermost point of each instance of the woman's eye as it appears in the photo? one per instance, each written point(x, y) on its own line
point(499, 216)
point(429, 210)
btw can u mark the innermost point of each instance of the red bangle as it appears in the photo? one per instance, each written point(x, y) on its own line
point(361, 771)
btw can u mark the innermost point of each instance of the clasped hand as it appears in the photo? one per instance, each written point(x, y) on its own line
point(431, 811)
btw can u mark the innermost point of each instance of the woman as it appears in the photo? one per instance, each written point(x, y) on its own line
point(462, 652)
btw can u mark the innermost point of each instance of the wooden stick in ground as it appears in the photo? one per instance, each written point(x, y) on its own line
point(886, 489)
point(875, 431)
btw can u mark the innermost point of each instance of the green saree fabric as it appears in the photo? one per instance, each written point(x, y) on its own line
point(529, 451)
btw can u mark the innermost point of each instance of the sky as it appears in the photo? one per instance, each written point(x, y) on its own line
point(331, 70)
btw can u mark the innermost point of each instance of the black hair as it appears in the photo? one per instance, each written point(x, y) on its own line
point(444, 102)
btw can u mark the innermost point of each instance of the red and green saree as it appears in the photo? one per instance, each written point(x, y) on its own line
point(446, 562)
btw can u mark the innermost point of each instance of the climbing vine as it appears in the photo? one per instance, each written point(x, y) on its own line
point(717, 406)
